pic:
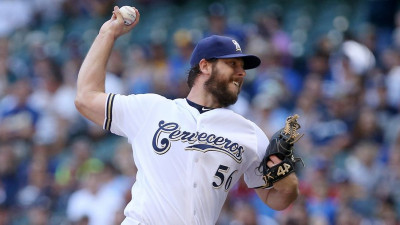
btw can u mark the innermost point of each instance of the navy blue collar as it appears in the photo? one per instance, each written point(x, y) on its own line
point(200, 108)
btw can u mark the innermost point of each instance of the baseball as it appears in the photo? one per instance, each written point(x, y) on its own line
point(129, 14)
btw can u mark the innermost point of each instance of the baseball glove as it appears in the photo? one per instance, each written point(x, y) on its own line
point(281, 145)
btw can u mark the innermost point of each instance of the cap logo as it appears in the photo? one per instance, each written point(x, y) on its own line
point(237, 45)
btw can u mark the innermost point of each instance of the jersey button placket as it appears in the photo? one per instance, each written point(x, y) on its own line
point(196, 165)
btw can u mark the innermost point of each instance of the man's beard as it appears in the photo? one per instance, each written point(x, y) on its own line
point(220, 89)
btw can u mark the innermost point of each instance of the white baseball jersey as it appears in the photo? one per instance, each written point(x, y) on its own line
point(187, 161)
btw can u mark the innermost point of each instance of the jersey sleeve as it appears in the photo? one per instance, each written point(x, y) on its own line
point(125, 115)
point(252, 176)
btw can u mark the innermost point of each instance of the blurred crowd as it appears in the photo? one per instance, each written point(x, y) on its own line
point(58, 168)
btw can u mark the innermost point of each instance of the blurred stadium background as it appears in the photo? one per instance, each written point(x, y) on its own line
point(336, 63)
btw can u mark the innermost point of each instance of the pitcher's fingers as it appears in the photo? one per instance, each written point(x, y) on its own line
point(137, 17)
point(118, 14)
point(275, 159)
point(113, 16)
point(270, 164)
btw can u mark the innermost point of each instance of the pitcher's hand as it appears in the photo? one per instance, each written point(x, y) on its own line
point(115, 25)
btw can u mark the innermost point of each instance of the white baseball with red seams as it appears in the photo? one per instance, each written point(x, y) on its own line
point(129, 14)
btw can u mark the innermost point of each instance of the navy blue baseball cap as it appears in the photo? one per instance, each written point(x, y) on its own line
point(221, 47)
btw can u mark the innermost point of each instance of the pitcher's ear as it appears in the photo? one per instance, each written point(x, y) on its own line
point(205, 66)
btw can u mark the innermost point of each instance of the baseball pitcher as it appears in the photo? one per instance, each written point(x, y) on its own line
point(190, 152)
